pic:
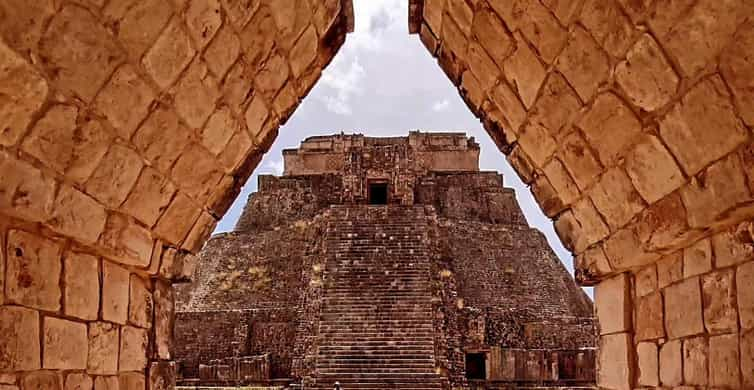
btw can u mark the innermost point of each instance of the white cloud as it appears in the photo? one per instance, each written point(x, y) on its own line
point(373, 20)
point(441, 105)
point(342, 83)
point(274, 166)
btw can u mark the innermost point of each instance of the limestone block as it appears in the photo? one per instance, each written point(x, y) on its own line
point(471, 92)
point(547, 196)
point(714, 191)
point(139, 23)
point(115, 289)
point(48, 380)
point(141, 305)
point(614, 361)
point(22, 88)
point(581, 227)
point(612, 304)
point(164, 299)
point(272, 76)
point(636, 9)
point(610, 127)
point(81, 50)
point(203, 19)
point(648, 364)
point(652, 169)
point(177, 219)
point(565, 10)
point(33, 271)
point(195, 94)
point(670, 269)
point(583, 63)
point(684, 129)
point(106, 383)
point(723, 361)
point(222, 52)
point(8, 378)
point(199, 234)
point(103, 348)
point(128, 242)
point(522, 164)
point(115, 176)
point(482, 66)
point(671, 366)
point(695, 42)
point(646, 76)
point(747, 358)
point(625, 249)
point(133, 349)
point(697, 258)
point(561, 181)
point(169, 56)
point(256, 115)
point(649, 317)
point(291, 18)
point(62, 344)
point(607, 23)
point(666, 15)
point(736, 65)
point(161, 138)
point(81, 285)
point(745, 299)
point(177, 266)
point(683, 309)
point(646, 281)
point(537, 143)
point(556, 106)
point(462, 13)
point(70, 148)
point(695, 361)
point(239, 11)
point(19, 339)
point(78, 381)
point(219, 129)
point(162, 375)
point(432, 14)
point(25, 192)
point(285, 102)
point(524, 71)
point(579, 160)
point(731, 248)
point(125, 100)
point(22, 23)
point(507, 101)
point(489, 31)
point(615, 198)
point(150, 196)
point(196, 172)
point(663, 226)
point(591, 264)
point(430, 42)
point(77, 215)
point(132, 381)
point(719, 297)
point(259, 37)
point(453, 39)
point(536, 23)
point(238, 150)
point(304, 52)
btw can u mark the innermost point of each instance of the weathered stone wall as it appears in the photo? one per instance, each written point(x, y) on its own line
point(126, 129)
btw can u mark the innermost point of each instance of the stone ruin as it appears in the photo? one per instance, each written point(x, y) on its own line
point(383, 263)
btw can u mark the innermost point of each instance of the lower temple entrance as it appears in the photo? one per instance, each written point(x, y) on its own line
point(378, 192)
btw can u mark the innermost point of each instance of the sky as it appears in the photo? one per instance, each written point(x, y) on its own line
point(383, 82)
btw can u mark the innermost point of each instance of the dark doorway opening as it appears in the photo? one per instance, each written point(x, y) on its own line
point(476, 366)
point(377, 193)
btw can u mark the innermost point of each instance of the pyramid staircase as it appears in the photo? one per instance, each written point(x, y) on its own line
point(375, 327)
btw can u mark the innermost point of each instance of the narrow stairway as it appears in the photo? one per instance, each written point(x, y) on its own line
point(376, 327)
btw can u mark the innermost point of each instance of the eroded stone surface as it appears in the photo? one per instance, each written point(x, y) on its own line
point(19, 339)
point(81, 285)
point(33, 271)
point(62, 344)
point(104, 341)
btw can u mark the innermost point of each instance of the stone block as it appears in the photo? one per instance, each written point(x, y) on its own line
point(614, 361)
point(285, 102)
point(115, 290)
point(565, 10)
point(608, 25)
point(177, 219)
point(23, 91)
point(547, 197)
point(161, 138)
point(291, 18)
point(683, 309)
point(649, 317)
point(612, 304)
point(239, 12)
point(490, 32)
point(195, 94)
point(522, 164)
point(22, 23)
point(199, 234)
point(536, 23)
point(697, 258)
point(25, 192)
point(671, 363)
point(77, 215)
point(116, 174)
point(556, 106)
point(685, 128)
point(170, 55)
point(747, 359)
point(663, 225)
point(177, 266)
point(591, 265)
point(719, 297)
point(236, 153)
point(127, 242)
point(141, 305)
point(731, 248)
point(256, 115)
point(78, 381)
point(472, 92)
point(646, 76)
point(646, 281)
point(745, 298)
point(579, 160)
point(433, 13)
point(716, 190)
point(162, 375)
point(132, 381)
point(138, 23)
point(164, 299)
point(615, 198)
point(510, 106)
point(133, 349)
point(272, 76)
point(695, 361)
point(48, 380)
point(610, 127)
point(482, 66)
point(304, 52)
point(67, 142)
point(652, 169)
point(203, 19)
point(19, 339)
point(106, 383)
point(564, 186)
point(670, 269)
point(125, 101)
point(62, 342)
point(104, 341)
point(258, 37)
point(636, 10)
point(32, 272)
point(723, 361)
point(81, 285)
point(462, 14)
point(736, 64)
point(625, 249)
point(81, 51)
point(524, 71)
point(196, 172)
point(648, 364)
point(150, 196)
point(222, 52)
point(453, 39)
point(219, 129)
point(537, 143)
point(583, 63)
